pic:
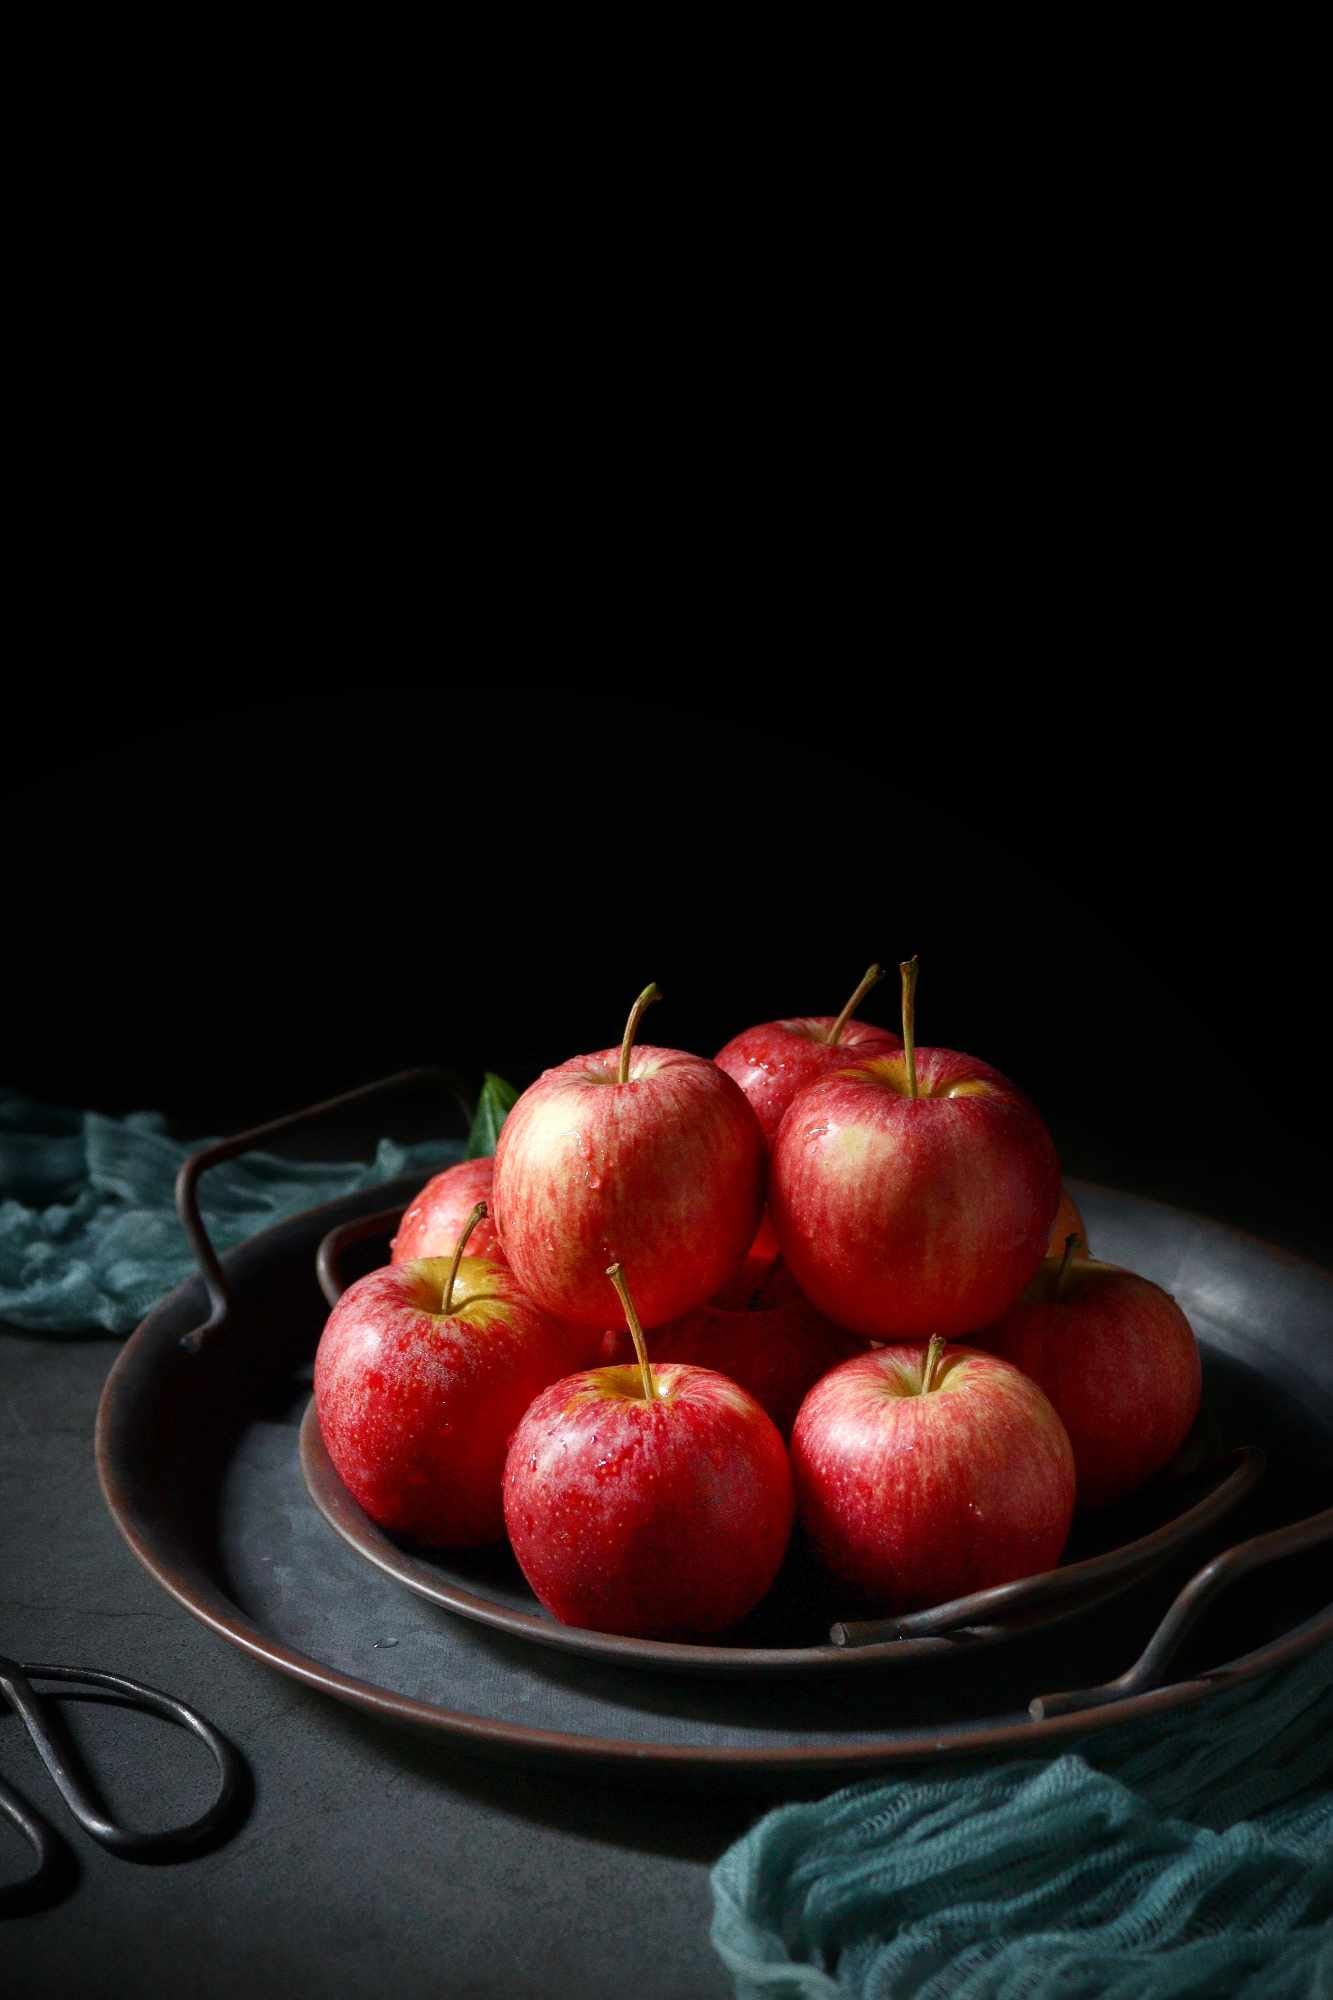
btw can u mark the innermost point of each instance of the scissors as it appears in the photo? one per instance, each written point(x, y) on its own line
point(131, 1845)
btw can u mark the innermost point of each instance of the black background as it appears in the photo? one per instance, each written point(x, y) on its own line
point(226, 899)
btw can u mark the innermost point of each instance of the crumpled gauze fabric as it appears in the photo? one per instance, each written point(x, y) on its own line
point(1183, 1856)
point(89, 1236)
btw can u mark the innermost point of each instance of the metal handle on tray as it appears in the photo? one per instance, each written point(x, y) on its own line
point(187, 1180)
point(328, 1263)
point(1185, 1611)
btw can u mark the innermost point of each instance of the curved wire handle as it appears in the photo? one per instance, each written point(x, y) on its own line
point(1185, 1612)
point(187, 1180)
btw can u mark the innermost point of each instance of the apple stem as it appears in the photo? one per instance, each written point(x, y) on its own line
point(930, 1366)
point(617, 1277)
point(908, 971)
point(1072, 1243)
point(873, 976)
point(636, 1014)
point(477, 1215)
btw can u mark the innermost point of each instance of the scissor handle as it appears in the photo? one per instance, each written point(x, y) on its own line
point(16, 1685)
point(41, 1838)
point(187, 1180)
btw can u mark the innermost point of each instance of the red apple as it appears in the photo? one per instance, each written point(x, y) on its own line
point(641, 1152)
point(769, 1340)
point(760, 1284)
point(913, 1193)
point(434, 1219)
point(766, 1251)
point(923, 1475)
point(650, 1500)
point(765, 1245)
point(421, 1374)
point(1118, 1359)
point(762, 1281)
point(772, 1062)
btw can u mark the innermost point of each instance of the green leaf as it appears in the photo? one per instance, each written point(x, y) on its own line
point(493, 1107)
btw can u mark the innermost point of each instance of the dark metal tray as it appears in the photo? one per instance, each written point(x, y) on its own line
point(197, 1452)
point(797, 1628)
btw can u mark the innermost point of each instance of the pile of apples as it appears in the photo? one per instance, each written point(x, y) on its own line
point(789, 1239)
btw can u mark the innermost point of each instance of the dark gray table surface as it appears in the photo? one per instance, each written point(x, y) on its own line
point(369, 1861)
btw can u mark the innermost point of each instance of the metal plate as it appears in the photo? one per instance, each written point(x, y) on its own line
point(197, 1451)
point(488, 1586)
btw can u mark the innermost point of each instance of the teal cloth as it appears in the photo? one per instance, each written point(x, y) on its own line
point(89, 1236)
point(1182, 1856)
